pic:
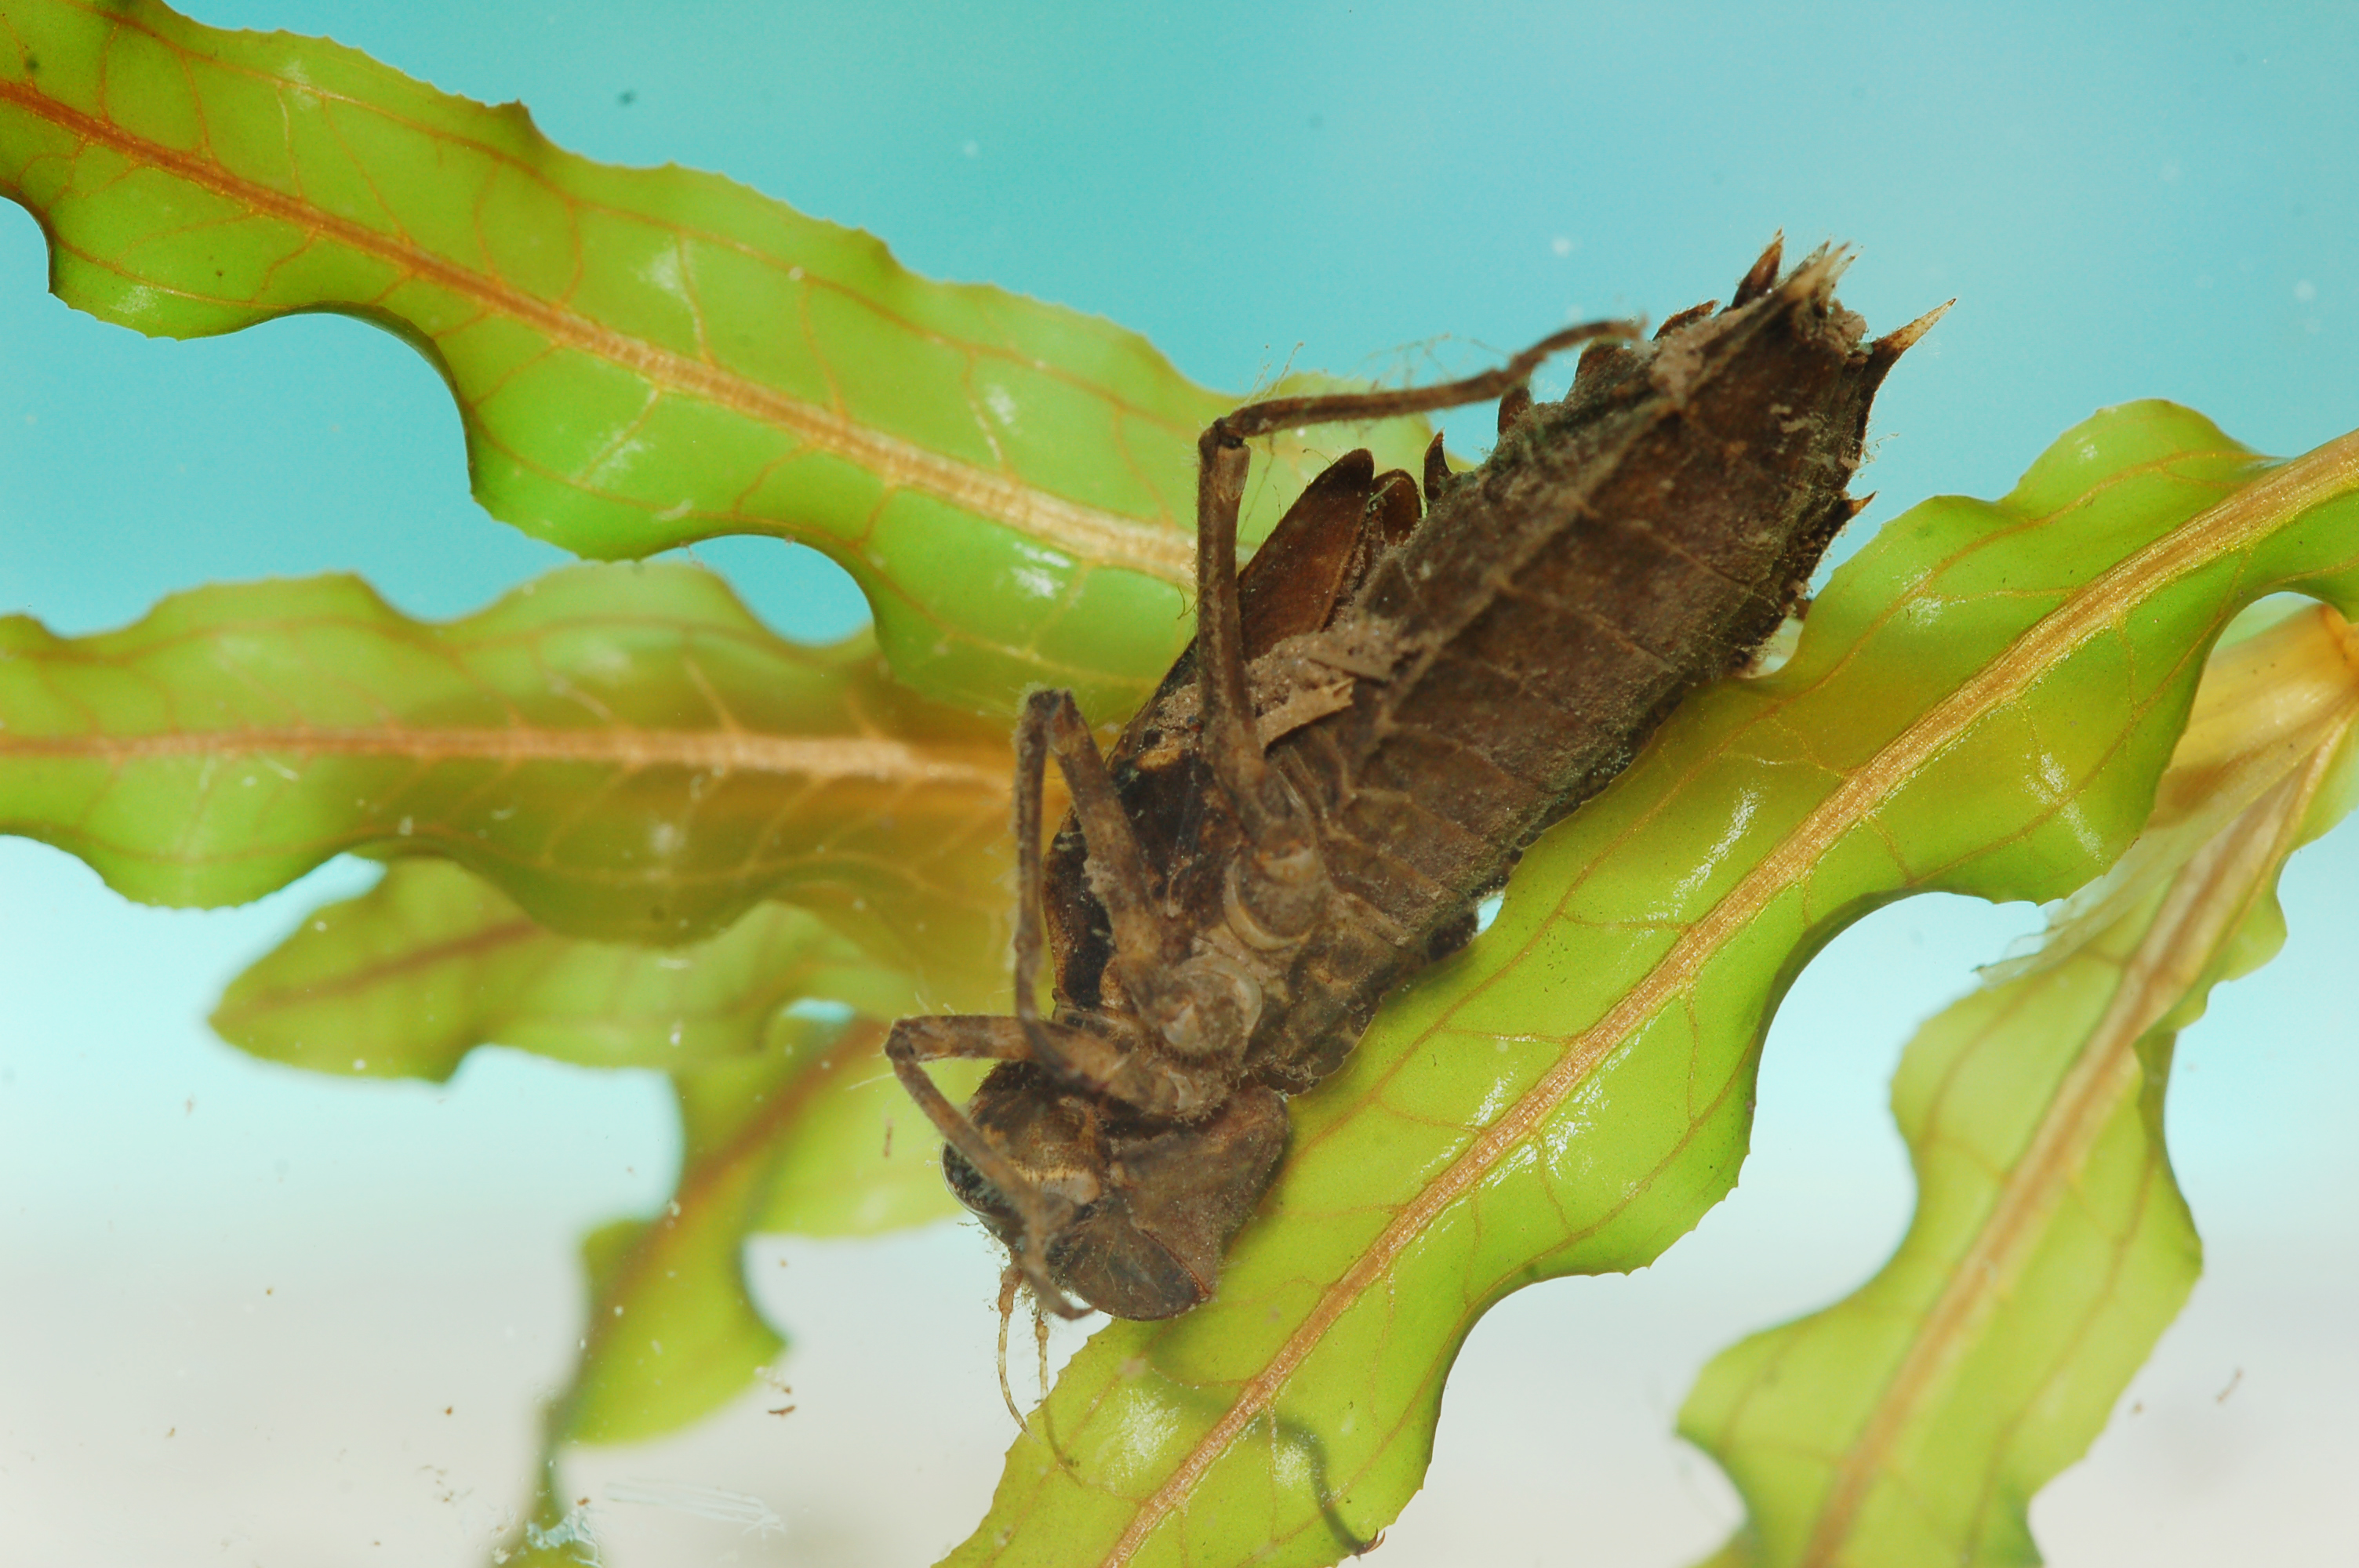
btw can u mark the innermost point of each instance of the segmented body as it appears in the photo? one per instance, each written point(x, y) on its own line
point(1507, 660)
point(1429, 693)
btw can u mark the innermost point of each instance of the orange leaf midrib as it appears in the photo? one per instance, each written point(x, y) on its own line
point(483, 943)
point(1088, 533)
point(2206, 903)
point(825, 758)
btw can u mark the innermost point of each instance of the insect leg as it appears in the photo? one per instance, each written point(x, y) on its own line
point(1147, 943)
point(915, 1041)
point(1230, 743)
point(1031, 767)
point(1145, 938)
point(1330, 407)
point(1077, 1057)
point(1068, 1053)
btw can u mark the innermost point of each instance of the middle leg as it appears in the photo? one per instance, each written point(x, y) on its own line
point(1084, 1059)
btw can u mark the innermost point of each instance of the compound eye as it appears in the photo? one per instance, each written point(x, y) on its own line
point(967, 1184)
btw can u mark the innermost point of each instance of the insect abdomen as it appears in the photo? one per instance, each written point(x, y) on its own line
point(1621, 547)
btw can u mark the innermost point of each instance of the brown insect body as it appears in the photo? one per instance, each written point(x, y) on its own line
point(1249, 874)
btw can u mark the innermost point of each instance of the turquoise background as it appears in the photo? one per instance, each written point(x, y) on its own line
point(2126, 201)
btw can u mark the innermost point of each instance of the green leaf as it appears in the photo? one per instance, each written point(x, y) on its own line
point(434, 961)
point(863, 1161)
point(672, 1332)
point(1981, 702)
point(1913, 1421)
point(787, 1115)
point(623, 750)
point(404, 980)
point(644, 357)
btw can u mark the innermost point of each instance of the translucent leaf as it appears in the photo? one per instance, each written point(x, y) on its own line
point(788, 1115)
point(642, 357)
point(434, 961)
point(672, 1335)
point(672, 1332)
point(1981, 702)
point(1913, 1421)
point(623, 750)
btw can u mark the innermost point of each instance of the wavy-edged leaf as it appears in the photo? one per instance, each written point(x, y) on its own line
point(1981, 702)
point(404, 980)
point(623, 750)
point(787, 1115)
point(672, 1332)
point(1913, 1421)
point(870, 1163)
point(642, 357)
point(434, 961)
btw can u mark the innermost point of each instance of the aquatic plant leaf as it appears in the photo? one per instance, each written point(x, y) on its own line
point(434, 961)
point(1981, 702)
point(672, 1332)
point(643, 357)
point(1913, 1421)
point(623, 750)
point(869, 1163)
point(787, 1112)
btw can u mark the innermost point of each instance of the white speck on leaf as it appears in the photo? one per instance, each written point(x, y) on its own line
point(663, 271)
point(1002, 406)
point(1039, 584)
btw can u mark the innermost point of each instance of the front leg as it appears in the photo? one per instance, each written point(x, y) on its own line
point(1040, 1214)
point(1203, 1006)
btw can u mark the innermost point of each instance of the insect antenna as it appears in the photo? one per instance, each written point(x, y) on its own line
point(1009, 1278)
point(1040, 1343)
